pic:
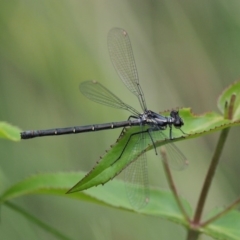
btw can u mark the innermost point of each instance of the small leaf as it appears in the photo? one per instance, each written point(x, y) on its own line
point(9, 132)
point(226, 96)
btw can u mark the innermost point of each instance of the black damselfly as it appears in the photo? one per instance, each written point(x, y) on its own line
point(150, 124)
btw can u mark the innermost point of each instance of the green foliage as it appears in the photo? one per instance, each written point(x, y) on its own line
point(194, 126)
point(111, 195)
point(222, 224)
point(226, 227)
point(9, 132)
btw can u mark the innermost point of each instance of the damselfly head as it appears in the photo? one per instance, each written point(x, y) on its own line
point(178, 122)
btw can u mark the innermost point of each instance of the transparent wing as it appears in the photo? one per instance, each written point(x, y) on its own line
point(121, 54)
point(136, 176)
point(136, 182)
point(96, 92)
point(136, 173)
point(176, 159)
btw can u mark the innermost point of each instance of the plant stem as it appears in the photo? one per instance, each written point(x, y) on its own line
point(224, 212)
point(228, 113)
point(210, 175)
point(171, 183)
point(192, 235)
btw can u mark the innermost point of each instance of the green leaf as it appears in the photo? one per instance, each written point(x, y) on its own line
point(107, 168)
point(162, 203)
point(226, 227)
point(226, 95)
point(9, 132)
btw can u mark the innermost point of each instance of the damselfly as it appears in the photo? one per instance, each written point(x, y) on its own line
point(150, 125)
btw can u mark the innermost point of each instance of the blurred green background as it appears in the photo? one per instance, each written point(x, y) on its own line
point(186, 53)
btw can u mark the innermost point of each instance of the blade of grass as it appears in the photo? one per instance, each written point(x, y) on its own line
point(38, 222)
